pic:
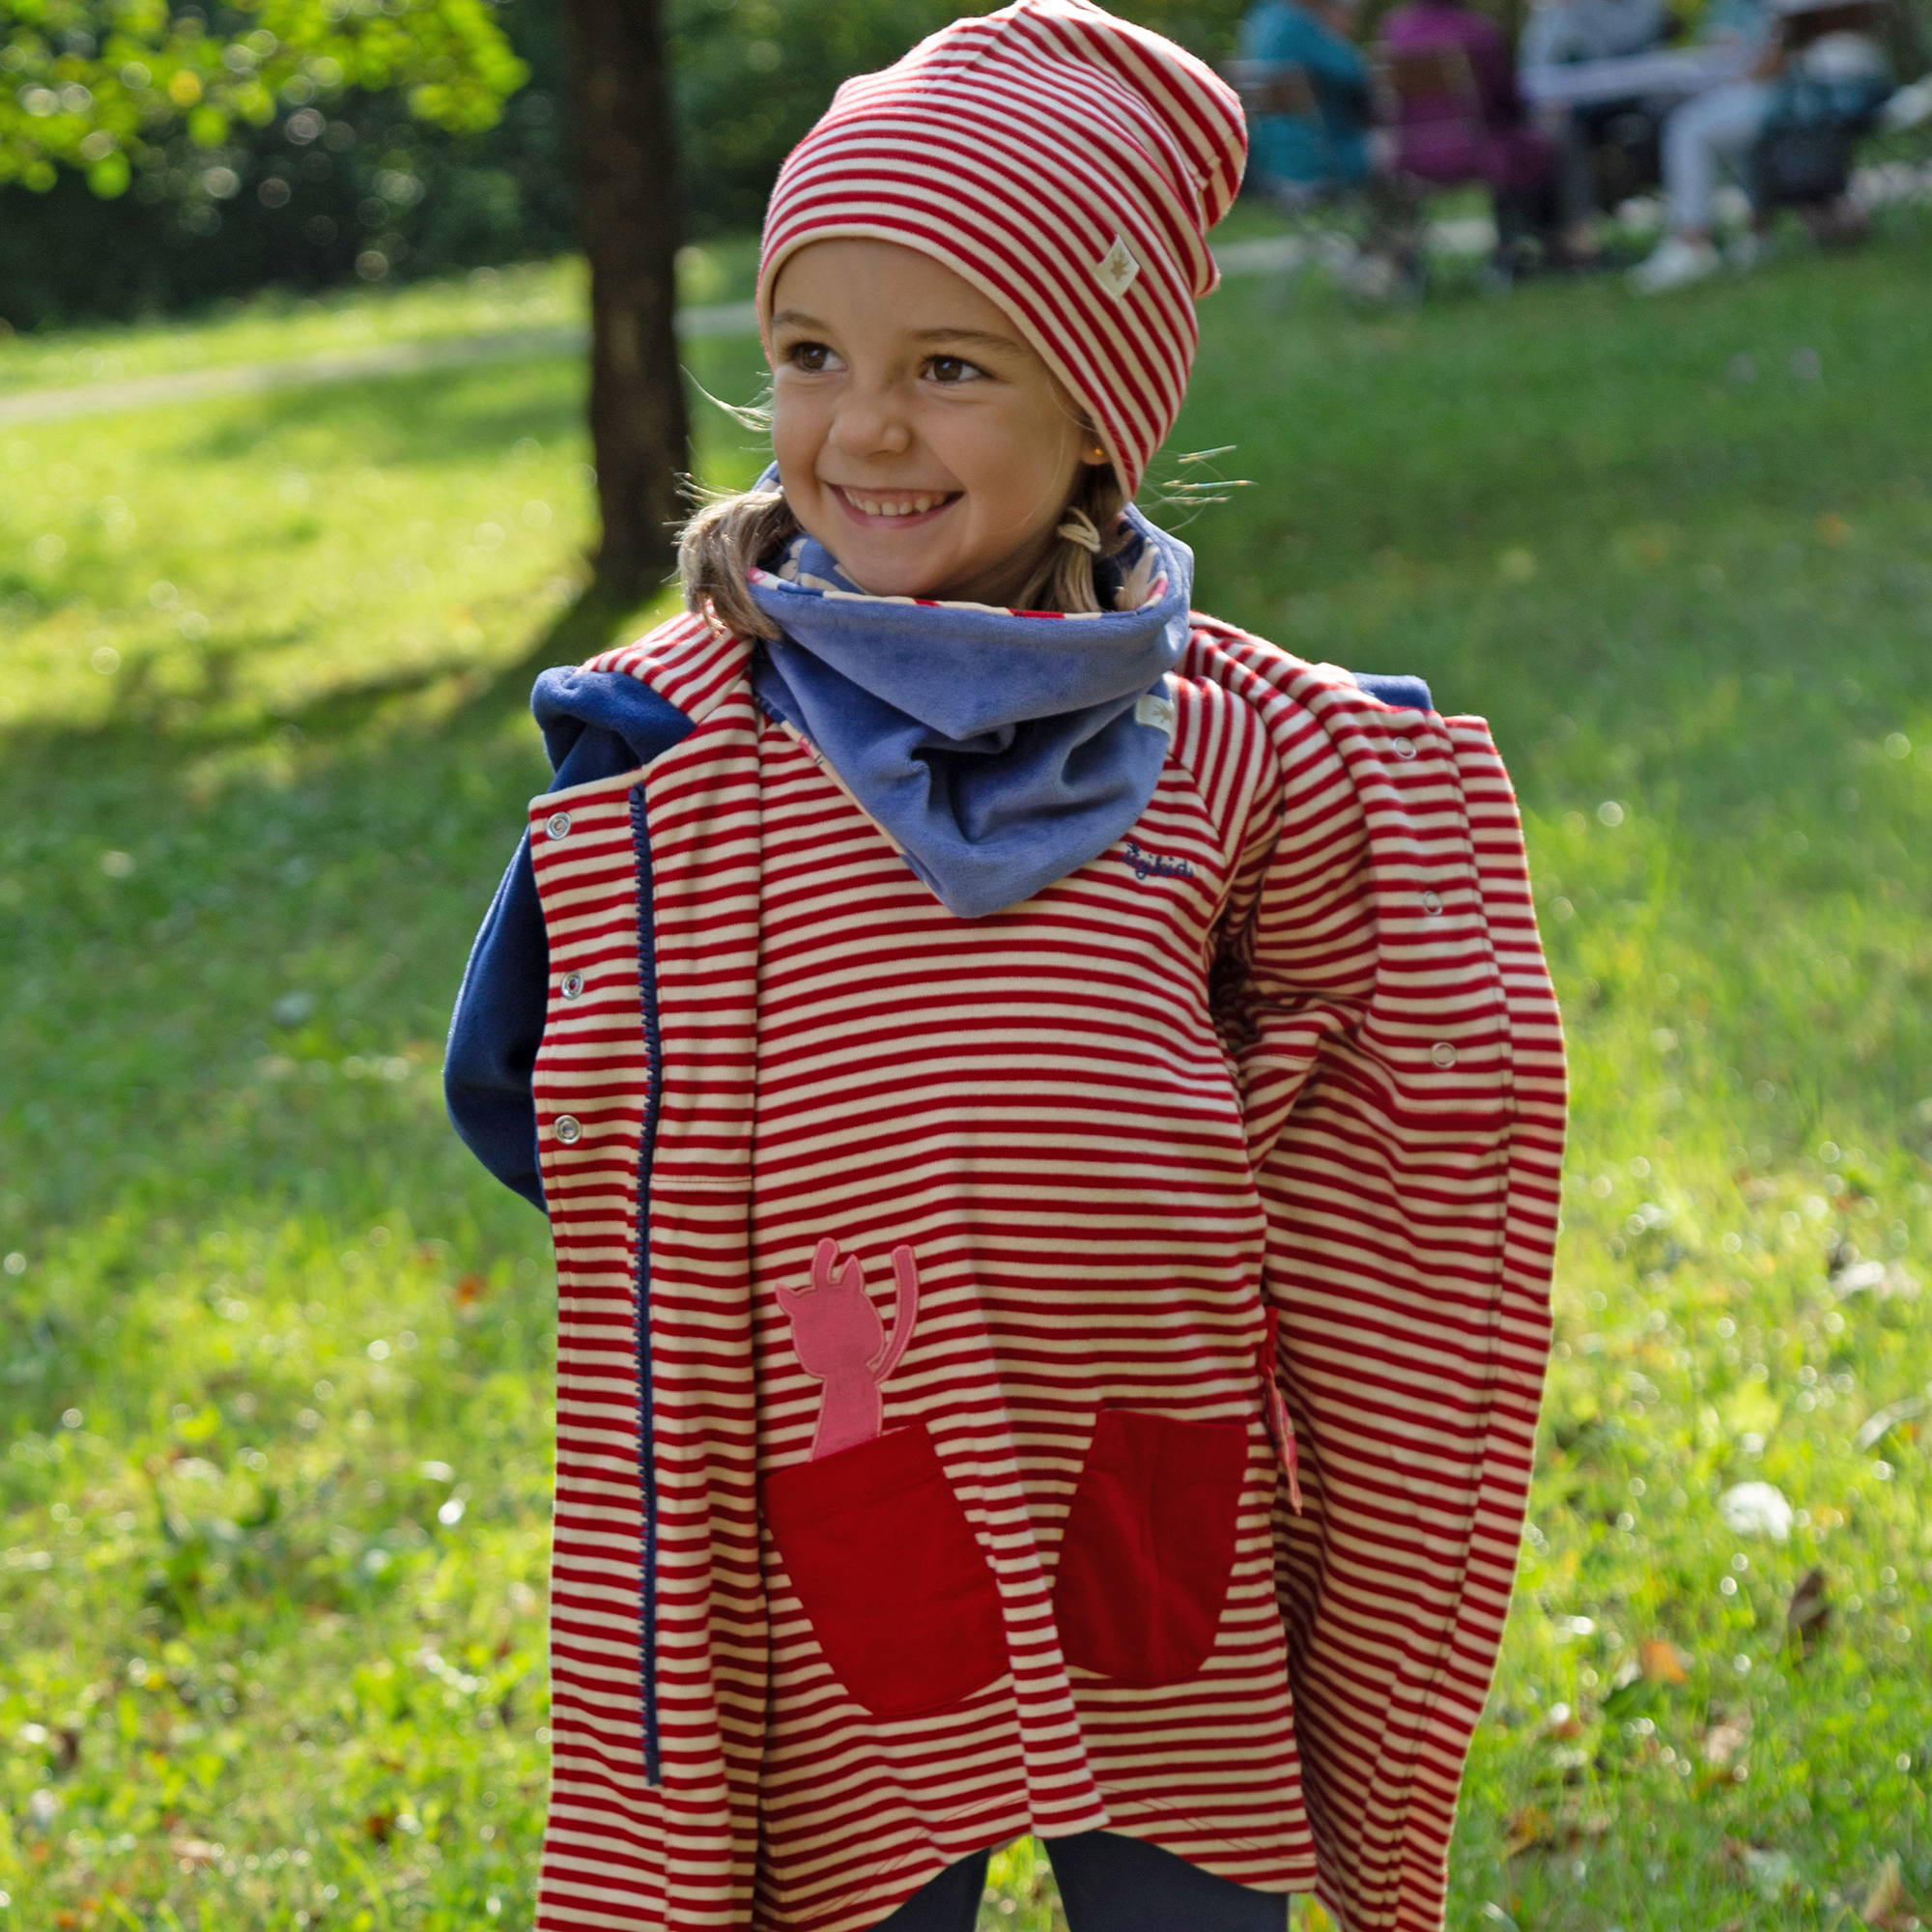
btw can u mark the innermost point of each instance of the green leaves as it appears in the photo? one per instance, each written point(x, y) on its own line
point(95, 84)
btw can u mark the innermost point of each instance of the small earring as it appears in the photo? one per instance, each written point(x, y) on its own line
point(1097, 454)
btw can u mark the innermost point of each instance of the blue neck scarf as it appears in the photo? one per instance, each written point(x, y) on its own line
point(998, 750)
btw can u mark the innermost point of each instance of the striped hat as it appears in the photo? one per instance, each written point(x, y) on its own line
point(1069, 165)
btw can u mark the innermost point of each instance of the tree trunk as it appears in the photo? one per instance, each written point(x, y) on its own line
point(624, 156)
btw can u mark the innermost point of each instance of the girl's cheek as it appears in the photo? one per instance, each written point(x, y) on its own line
point(792, 437)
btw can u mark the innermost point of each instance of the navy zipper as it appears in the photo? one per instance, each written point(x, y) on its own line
point(647, 1473)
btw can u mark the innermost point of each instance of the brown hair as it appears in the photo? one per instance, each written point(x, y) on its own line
point(726, 535)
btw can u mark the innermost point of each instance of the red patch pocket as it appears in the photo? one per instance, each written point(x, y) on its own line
point(1149, 1545)
point(900, 1596)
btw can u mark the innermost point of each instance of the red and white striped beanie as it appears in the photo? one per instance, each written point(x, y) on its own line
point(1069, 165)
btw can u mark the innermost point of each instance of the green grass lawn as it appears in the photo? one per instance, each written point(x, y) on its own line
point(275, 1356)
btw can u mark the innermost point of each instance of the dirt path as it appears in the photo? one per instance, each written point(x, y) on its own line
point(335, 366)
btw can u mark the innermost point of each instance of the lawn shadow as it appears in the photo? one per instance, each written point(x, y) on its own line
point(392, 422)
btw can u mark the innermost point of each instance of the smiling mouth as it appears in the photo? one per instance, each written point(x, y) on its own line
point(888, 507)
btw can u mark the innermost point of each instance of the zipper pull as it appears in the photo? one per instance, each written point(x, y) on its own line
point(1280, 1425)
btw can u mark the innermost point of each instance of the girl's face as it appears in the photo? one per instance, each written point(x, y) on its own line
point(920, 437)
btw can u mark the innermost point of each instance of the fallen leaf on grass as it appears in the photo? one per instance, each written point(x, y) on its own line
point(1894, 1415)
point(1725, 1738)
point(1773, 1873)
point(1663, 1663)
point(1529, 1826)
point(1808, 1614)
point(1756, 1509)
point(192, 1852)
point(1534, 1829)
point(1885, 1905)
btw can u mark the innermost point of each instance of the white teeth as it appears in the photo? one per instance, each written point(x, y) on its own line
point(914, 506)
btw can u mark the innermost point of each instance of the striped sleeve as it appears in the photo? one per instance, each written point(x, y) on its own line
point(1399, 1016)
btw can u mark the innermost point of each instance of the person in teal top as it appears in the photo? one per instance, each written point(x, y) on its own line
point(1299, 153)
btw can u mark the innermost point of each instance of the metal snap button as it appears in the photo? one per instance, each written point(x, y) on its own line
point(1404, 747)
point(558, 825)
point(569, 1130)
point(573, 985)
point(1432, 903)
point(1443, 1052)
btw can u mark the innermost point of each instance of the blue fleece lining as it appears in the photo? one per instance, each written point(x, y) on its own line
point(595, 725)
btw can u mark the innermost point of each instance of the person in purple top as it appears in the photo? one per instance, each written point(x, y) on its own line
point(1440, 139)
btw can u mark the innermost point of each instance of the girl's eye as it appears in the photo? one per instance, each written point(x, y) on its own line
point(954, 369)
point(813, 358)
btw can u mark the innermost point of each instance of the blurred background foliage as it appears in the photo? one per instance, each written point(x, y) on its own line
point(753, 74)
point(347, 180)
point(317, 184)
point(212, 155)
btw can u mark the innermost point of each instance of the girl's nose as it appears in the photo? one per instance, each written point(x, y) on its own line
point(871, 423)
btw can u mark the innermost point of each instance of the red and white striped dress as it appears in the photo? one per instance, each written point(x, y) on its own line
point(1289, 1047)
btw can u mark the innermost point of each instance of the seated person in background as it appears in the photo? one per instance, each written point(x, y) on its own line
point(1836, 80)
point(1443, 142)
point(1559, 33)
point(1296, 156)
point(1712, 133)
point(1562, 31)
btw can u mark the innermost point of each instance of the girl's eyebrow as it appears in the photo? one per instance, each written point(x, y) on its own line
point(796, 317)
point(965, 335)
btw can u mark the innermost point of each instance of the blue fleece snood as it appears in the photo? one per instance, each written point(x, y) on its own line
point(998, 750)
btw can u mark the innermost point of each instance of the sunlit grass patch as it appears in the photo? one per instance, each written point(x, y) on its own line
point(275, 325)
point(272, 1601)
point(139, 581)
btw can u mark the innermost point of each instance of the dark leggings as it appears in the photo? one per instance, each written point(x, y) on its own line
point(1107, 1884)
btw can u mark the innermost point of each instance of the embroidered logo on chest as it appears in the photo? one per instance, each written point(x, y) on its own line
point(1154, 864)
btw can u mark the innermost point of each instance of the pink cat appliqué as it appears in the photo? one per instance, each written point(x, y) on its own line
point(842, 1344)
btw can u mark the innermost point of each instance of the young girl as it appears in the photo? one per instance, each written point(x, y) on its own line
point(1049, 1109)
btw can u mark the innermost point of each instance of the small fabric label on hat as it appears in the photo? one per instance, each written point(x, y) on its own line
point(1116, 270)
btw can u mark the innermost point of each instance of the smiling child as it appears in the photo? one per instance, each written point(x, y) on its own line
point(1049, 1108)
